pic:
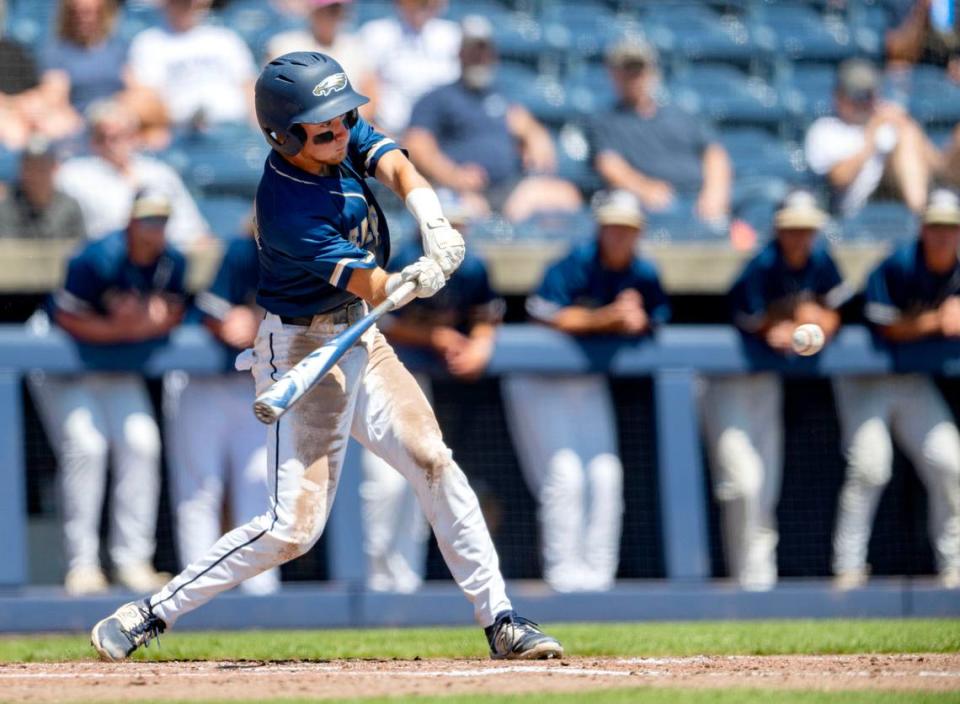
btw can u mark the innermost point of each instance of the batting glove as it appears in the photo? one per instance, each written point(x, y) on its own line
point(441, 242)
point(425, 273)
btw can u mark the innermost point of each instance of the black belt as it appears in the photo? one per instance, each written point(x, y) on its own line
point(346, 314)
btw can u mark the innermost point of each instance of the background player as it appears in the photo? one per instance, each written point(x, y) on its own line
point(564, 428)
point(793, 280)
point(322, 240)
point(913, 294)
point(125, 288)
point(216, 444)
point(459, 325)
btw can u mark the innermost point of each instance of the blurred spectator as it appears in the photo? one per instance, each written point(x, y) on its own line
point(912, 295)
point(325, 21)
point(126, 288)
point(458, 325)
point(870, 149)
point(87, 58)
point(467, 137)
point(216, 444)
point(668, 158)
point(411, 54)
point(105, 182)
point(564, 427)
point(925, 31)
point(203, 73)
point(30, 106)
point(791, 281)
point(33, 208)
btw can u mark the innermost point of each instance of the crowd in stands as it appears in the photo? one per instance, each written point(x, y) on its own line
point(122, 125)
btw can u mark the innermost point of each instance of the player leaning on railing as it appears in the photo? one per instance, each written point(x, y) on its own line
point(322, 242)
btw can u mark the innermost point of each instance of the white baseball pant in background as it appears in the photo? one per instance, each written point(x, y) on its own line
point(216, 448)
point(395, 530)
point(88, 419)
point(564, 430)
point(743, 422)
point(372, 396)
point(912, 408)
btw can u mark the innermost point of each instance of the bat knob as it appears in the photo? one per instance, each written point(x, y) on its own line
point(265, 413)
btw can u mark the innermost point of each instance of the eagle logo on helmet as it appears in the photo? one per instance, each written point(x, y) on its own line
point(331, 84)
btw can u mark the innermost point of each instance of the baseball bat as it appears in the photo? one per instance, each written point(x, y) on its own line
point(300, 378)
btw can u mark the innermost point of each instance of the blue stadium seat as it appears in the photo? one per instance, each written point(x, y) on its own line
point(573, 158)
point(256, 22)
point(9, 165)
point(807, 90)
point(934, 98)
point(133, 19)
point(585, 28)
point(798, 32)
point(589, 90)
point(756, 152)
point(31, 23)
point(562, 226)
point(880, 221)
point(542, 95)
point(226, 160)
point(228, 216)
point(697, 33)
point(725, 95)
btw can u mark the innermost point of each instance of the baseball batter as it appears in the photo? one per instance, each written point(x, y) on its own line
point(323, 241)
point(791, 281)
point(911, 295)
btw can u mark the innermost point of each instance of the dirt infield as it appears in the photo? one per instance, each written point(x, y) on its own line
point(84, 681)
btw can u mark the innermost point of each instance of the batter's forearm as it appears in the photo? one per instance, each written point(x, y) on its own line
point(914, 327)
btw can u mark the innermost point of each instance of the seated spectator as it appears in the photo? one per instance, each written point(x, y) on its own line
point(104, 183)
point(204, 74)
point(466, 136)
point(925, 31)
point(217, 451)
point(791, 281)
point(30, 106)
point(410, 54)
point(324, 35)
point(125, 288)
point(33, 208)
point(668, 158)
point(913, 294)
point(870, 149)
point(88, 59)
point(458, 325)
point(570, 459)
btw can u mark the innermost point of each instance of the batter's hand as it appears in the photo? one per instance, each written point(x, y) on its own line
point(427, 275)
point(443, 244)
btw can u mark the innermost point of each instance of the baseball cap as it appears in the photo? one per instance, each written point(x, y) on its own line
point(858, 79)
point(799, 211)
point(476, 29)
point(943, 208)
point(150, 204)
point(618, 208)
point(631, 52)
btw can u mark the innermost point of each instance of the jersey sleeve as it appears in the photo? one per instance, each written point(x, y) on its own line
point(367, 147)
point(832, 290)
point(554, 294)
point(747, 302)
point(81, 289)
point(880, 307)
point(323, 252)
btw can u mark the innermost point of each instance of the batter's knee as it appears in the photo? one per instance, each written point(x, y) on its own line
point(432, 455)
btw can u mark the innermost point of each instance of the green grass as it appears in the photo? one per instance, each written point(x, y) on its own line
point(649, 695)
point(621, 639)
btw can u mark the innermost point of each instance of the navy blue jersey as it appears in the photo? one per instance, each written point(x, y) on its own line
point(101, 271)
point(465, 300)
point(580, 279)
point(767, 286)
point(235, 283)
point(313, 231)
point(902, 285)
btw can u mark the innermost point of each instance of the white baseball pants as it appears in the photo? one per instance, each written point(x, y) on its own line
point(743, 422)
point(370, 395)
point(87, 418)
point(912, 408)
point(564, 430)
point(395, 529)
point(216, 447)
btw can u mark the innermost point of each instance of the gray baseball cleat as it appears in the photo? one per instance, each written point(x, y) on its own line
point(512, 637)
point(125, 630)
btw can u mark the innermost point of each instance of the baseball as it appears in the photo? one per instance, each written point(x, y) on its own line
point(808, 339)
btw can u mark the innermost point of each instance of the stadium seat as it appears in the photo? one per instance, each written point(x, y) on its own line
point(227, 160)
point(756, 152)
point(573, 158)
point(256, 22)
point(725, 95)
point(699, 34)
point(585, 28)
point(562, 226)
point(798, 32)
point(31, 23)
point(228, 216)
point(934, 98)
point(880, 221)
point(589, 90)
point(541, 94)
point(807, 91)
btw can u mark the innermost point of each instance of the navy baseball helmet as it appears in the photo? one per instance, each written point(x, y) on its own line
point(302, 87)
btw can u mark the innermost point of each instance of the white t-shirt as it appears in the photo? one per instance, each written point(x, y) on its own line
point(347, 50)
point(205, 68)
point(829, 141)
point(106, 196)
point(409, 64)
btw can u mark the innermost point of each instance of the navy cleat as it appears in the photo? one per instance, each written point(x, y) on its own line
point(512, 637)
point(129, 627)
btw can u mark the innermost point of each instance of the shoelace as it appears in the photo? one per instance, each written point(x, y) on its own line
point(515, 623)
point(147, 630)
